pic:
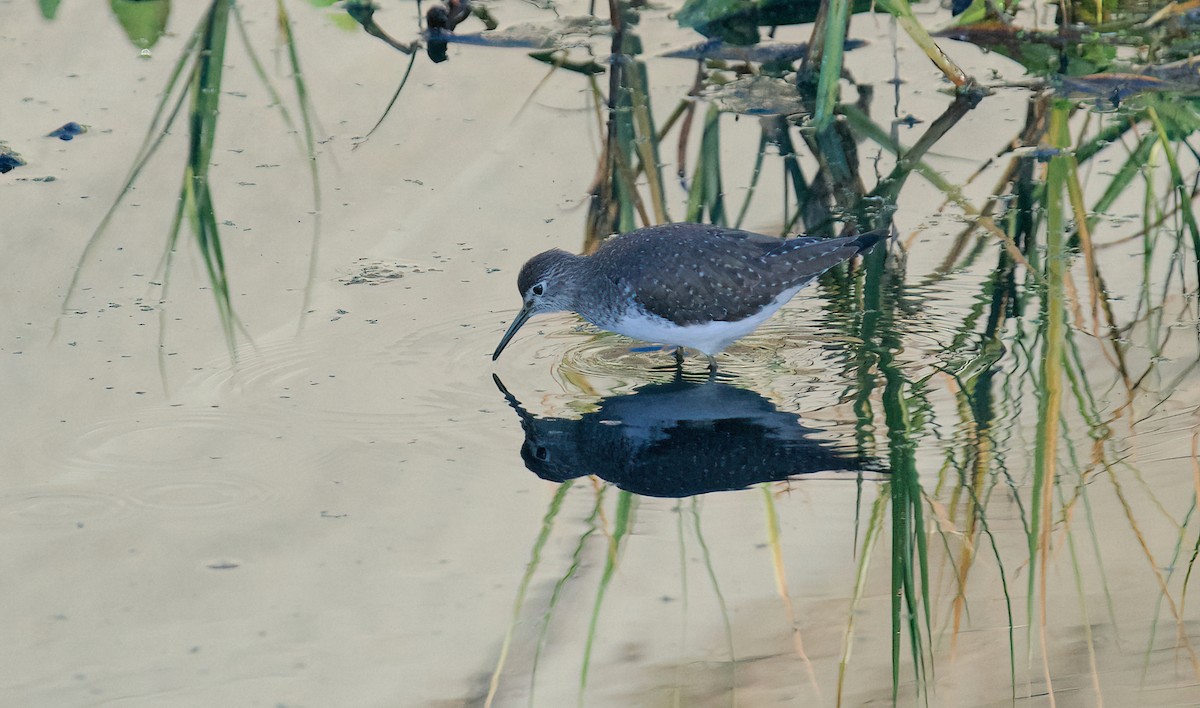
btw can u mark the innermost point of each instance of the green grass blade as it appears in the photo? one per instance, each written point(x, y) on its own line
point(1053, 334)
point(202, 125)
point(829, 76)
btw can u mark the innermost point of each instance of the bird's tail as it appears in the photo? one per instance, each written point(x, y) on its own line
point(865, 241)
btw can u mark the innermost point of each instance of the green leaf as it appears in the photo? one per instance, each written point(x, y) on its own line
point(144, 21)
point(49, 8)
point(731, 21)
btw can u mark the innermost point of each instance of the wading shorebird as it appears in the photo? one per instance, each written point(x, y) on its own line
point(688, 285)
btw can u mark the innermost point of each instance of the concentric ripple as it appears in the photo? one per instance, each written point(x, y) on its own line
point(59, 506)
point(172, 440)
point(205, 494)
point(374, 383)
point(178, 458)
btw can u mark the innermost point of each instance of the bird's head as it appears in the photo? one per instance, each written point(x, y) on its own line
point(546, 285)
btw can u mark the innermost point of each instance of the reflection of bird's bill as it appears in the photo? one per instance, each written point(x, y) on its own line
point(519, 320)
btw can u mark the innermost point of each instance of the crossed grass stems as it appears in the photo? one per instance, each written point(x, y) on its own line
point(1019, 341)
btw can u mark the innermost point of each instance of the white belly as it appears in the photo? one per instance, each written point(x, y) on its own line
point(709, 338)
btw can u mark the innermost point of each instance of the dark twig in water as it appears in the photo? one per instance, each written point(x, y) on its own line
point(363, 12)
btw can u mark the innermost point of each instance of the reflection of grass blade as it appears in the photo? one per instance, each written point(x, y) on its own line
point(1195, 552)
point(712, 576)
point(621, 526)
point(863, 124)
point(645, 141)
point(1177, 181)
point(1136, 162)
point(556, 594)
point(260, 71)
point(904, 410)
point(781, 586)
point(777, 130)
point(535, 560)
point(902, 11)
point(1195, 498)
point(874, 527)
point(1095, 537)
point(1155, 567)
point(310, 145)
point(164, 267)
point(1085, 620)
point(1012, 646)
point(204, 224)
point(908, 532)
point(1183, 528)
point(1053, 335)
point(830, 74)
point(707, 193)
point(677, 689)
point(965, 100)
point(754, 175)
point(154, 137)
point(205, 52)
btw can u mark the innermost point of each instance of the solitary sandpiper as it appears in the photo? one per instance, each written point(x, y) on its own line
point(688, 285)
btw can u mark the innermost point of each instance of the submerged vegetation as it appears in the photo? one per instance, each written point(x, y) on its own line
point(1111, 112)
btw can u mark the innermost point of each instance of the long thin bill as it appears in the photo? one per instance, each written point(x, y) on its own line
point(512, 329)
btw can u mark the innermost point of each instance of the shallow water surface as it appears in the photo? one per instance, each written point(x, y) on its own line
point(324, 493)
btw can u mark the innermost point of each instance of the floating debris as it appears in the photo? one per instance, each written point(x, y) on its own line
point(757, 96)
point(738, 22)
point(447, 16)
point(1185, 73)
point(9, 160)
point(375, 273)
point(68, 131)
point(564, 33)
point(1185, 14)
point(1113, 89)
point(761, 53)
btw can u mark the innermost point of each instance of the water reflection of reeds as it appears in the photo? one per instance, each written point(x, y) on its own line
point(1060, 349)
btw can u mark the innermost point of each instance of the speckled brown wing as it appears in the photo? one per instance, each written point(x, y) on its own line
point(692, 273)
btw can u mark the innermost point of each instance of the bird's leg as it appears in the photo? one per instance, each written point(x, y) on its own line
point(678, 363)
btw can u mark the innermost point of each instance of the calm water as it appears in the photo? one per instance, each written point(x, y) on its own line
point(339, 514)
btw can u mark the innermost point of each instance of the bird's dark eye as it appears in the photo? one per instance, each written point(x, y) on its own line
point(538, 289)
point(541, 453)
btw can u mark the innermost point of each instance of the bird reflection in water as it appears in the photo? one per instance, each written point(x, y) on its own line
point(678, 439)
